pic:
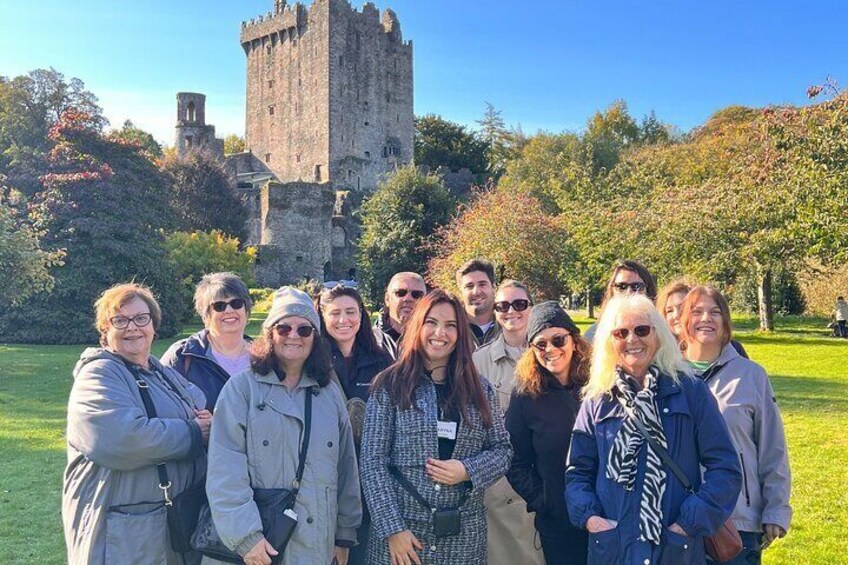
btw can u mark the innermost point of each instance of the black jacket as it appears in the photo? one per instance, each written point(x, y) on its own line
point(365, 367)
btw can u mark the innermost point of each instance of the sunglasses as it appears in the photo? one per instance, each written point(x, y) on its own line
point(284, 329)
point(622, 333)
point(221, 305)
point(519, 305)
point(416, 294)
point(122, 322)
point(632, 287)
point(556, 341)
point(343, 283)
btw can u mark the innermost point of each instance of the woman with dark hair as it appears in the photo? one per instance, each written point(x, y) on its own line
point(260, 426)
point(747, 403)
point(434, 440)
point(626, 277)
point(539, 420)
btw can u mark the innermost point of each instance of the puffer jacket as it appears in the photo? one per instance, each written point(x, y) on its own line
point(113, 450)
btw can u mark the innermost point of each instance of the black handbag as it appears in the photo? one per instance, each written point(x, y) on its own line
point(446, 521)
point(275, 505)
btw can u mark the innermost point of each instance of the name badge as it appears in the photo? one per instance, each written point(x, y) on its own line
point(446, 430)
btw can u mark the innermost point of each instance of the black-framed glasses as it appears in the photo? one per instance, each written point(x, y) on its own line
point(519, 305)
point(416, 294)
point(221, 305)
point(556, 341)
point(122, 322)
point(632, 287)
point(640, 331)
point(285, 329)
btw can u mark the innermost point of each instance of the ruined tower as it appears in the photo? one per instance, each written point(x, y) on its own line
point(329, 93)
point(192, 132)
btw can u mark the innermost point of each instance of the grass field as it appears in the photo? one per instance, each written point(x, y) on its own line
point(808, 372)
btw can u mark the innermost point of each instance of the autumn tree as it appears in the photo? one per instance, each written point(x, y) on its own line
point(132, 134)
point(233, 144)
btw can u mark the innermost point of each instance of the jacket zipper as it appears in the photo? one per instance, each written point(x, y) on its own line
point(745, 480)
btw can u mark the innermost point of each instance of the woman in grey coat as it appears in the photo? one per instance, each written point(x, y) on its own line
point(432, 421)
point(255, 443)
point(112, 506)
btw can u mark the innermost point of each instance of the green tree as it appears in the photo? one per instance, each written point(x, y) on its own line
point(441, 143)
point(131, 134)
point(608, 133)
point(233, 144)
point(398, 224)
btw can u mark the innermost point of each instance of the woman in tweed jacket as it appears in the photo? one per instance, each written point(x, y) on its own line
point(439, 424)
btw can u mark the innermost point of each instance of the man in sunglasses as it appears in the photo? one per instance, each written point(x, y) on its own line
point(627, 277)
point(476, 282)
point(403, 293)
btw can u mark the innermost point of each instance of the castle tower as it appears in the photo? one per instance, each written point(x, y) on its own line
point(329, 93)
point(192, 132)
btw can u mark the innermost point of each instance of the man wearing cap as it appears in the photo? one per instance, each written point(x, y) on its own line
point(402, 294)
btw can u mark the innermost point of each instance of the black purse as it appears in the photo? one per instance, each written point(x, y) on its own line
point(276, 510)
point(446, 521)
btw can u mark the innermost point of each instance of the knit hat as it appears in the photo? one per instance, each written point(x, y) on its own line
point(288, 302)
point(549, 315)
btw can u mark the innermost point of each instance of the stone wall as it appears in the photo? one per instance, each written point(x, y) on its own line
point(192, 132)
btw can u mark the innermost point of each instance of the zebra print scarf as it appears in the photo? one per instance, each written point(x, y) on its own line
point(624, 455)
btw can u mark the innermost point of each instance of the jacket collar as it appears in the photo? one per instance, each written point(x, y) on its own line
point(271, 378)
point(385, 325)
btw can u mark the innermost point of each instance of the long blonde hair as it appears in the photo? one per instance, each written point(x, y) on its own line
point(667, 359)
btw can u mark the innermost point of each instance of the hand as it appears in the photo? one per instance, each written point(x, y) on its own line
point(260, 554)
point(450, 472)
point(205, 425)
point(340, 555)
point(675, 527)
point(596, 524)
point(402, 546)
point(770, 533)
point(203, 414)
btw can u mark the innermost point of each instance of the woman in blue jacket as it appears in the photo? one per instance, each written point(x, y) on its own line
point(617, 487)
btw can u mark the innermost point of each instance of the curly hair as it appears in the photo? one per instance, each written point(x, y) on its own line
point(533, 379)
point(318, 365)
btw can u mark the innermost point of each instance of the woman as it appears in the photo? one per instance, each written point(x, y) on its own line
point(626, 277)
point(670, 304)
point(212, 355)
point(259, 427)
point(511, 533)
point(356, 359)
point(539, 421)
point(112, 506)
point(617, 485)
point(747, 402)
point(433, 429)
point(841, 315)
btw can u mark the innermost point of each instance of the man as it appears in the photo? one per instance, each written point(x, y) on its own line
point(476, 282)
point(402, 294)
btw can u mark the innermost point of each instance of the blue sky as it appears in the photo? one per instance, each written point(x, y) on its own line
point(546, 64)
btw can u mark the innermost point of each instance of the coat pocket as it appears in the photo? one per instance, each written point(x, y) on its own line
point(605, 548)
point(137, 538)
point(676, 549)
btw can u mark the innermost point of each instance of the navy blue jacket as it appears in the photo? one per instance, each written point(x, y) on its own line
point(365, 367)
point(697, 437)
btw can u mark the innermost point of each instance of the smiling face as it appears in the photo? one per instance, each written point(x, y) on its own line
point(512, 321)
point(342, 318)
point(557, 360)
point(228, 322)
point(292, 350)
point(438, 335)
point(705, 322)
point(635, 353)
point(624, 276)
point(673, 305)
point(478, 296)
point(132, 343)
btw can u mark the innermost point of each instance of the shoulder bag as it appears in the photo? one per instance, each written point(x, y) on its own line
point(446, 521)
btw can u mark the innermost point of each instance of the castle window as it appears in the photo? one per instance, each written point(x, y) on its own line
point(189, 141)
point(397, 118)
point(267, 157)
point(366, 123)
point(358, 183)
point(271, 110)
point(317, 173)
point(270, 84)
point(349, 174)
point(268, 49)
point(388, 97)
point(297, 157)
point(341, 60)
point(385, 151)
point(190, 112)
point(299, 258)
point(367, 154)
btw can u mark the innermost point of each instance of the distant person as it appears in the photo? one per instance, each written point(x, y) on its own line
point(221, 349)
point(627, 277)
point(841, 315)
point(747, 403)
point(113, 496)
point(511, 532)
point(476, 282)
point(402, 294)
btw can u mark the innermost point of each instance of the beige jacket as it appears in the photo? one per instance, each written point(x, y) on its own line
point(511, 534)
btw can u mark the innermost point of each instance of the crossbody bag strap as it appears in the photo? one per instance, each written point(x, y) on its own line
point(410, 488)
point(655, 445)
point(304, 446)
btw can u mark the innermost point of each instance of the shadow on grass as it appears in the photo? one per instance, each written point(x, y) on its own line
point(810, 394)
point(784, 338)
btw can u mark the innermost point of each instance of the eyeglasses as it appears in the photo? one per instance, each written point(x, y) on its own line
point(556, 341)
point(416, 294)
point(221, 305)
point(622, 333)
point(122, 322)
point(519, 305)
point(632, 287)
point(346, 284)
point(284, 329)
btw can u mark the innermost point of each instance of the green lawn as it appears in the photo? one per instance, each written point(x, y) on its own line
point(808, 371)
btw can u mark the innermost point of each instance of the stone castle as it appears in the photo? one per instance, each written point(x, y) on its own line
point(329, 113)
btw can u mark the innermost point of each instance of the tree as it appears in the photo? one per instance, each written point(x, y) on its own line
point(398, 224)
point(608, 133)
point(202, 196)
point(440, 143)
point(233, 144)
point(133, 135)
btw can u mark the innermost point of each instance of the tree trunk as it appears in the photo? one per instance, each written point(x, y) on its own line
point(765, 306)
point(590, 306)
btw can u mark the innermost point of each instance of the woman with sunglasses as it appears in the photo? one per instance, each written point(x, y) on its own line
point(256, 440)
point(433, 434)
point(218, 351)
point(747, 402)
point(511, 534)
point(539, 419)
point(618, 485)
